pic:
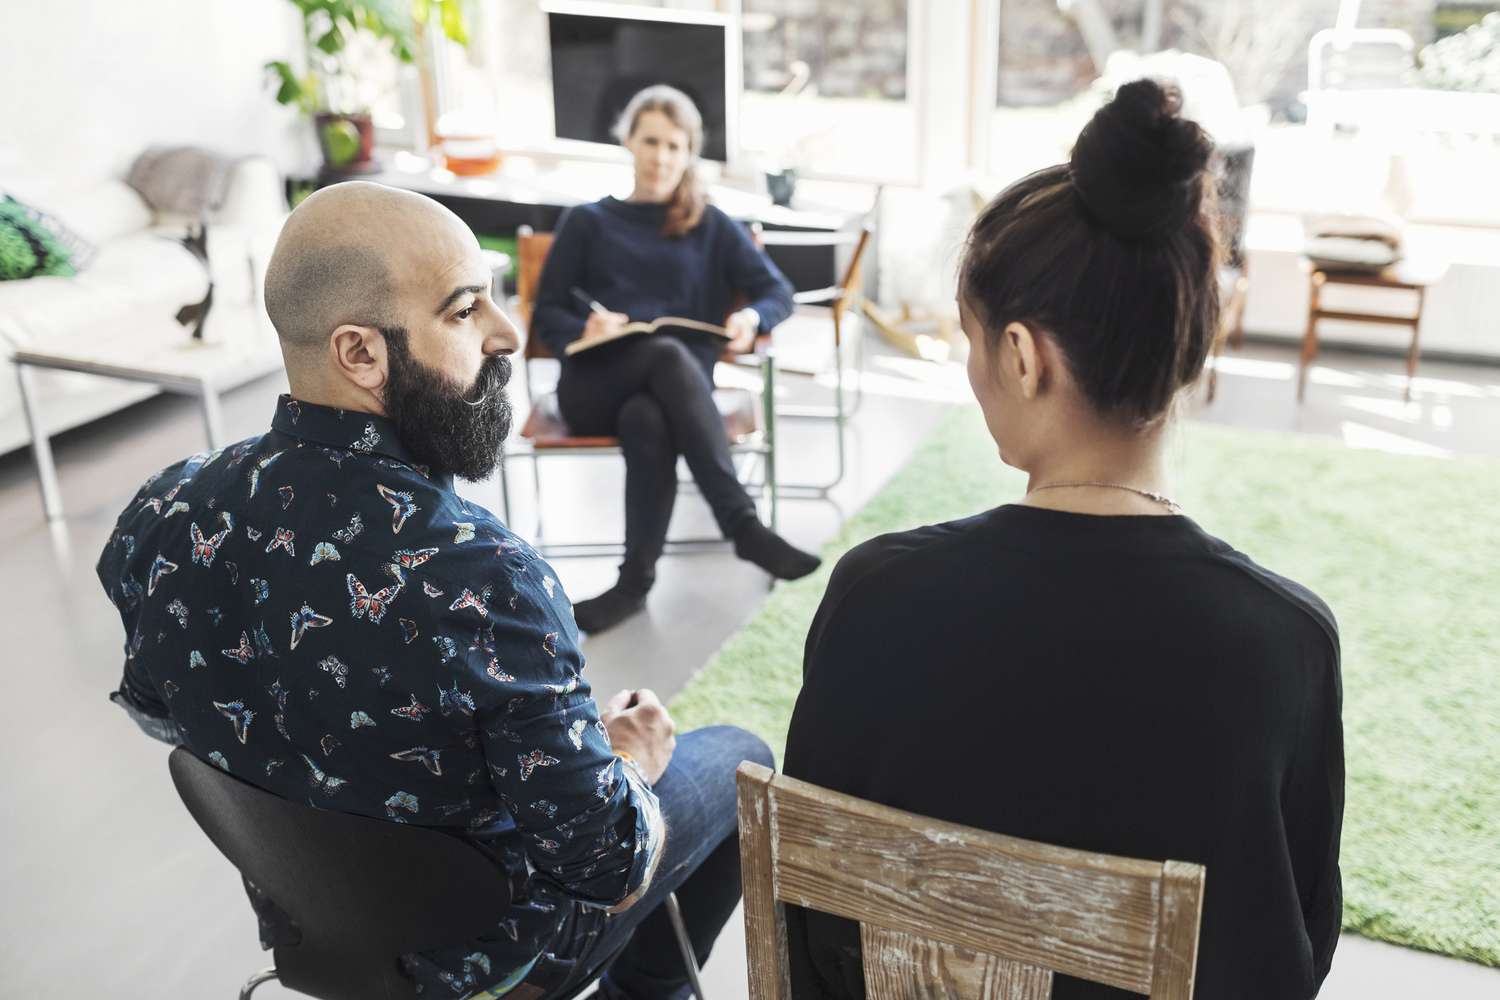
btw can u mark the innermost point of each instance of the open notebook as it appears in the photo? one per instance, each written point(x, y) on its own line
point(662, 324)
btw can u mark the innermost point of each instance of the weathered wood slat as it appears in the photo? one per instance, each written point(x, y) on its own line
point(1082, 914)
point(901, 966)
point(950, 911)
point(765, 918)
point(1177, 941)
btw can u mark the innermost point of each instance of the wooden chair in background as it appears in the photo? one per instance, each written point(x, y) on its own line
point(1402, 276)
point(749, 422)
point(947, 910)
point(839, 299)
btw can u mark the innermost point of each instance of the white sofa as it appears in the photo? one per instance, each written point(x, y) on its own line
point(140, 276)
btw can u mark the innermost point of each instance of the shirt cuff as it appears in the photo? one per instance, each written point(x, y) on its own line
point(649, 823)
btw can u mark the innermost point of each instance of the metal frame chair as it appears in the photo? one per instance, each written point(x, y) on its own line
point(751, 427)
point(839, 298)
point(362, 891)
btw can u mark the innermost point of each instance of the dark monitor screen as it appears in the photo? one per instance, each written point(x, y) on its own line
point(599, 63)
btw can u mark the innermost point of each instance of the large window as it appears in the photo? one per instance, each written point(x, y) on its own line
point(917, 91)
point(827, 87)
point(1379, 123)
point(1056, 58)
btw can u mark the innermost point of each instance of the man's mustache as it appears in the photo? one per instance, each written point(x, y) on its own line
point(493, 377)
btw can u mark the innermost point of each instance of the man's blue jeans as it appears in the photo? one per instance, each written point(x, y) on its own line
point(701, 864)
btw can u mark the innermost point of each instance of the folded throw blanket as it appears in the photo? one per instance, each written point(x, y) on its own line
point(1386, 229)
point(182, 180)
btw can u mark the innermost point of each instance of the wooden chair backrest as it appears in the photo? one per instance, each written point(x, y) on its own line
point(531, 254)
point(947, 910)
point(854, 274)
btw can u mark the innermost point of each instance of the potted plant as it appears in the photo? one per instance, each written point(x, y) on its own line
point(330, 92)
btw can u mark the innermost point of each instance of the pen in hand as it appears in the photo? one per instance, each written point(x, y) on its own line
point(589, 300)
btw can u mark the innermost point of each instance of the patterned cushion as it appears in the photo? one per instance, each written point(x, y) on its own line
point(33, 243)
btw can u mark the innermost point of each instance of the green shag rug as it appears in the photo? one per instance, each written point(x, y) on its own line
point(1407, 553)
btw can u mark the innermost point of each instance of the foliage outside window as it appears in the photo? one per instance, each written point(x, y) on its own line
point(1468, 60)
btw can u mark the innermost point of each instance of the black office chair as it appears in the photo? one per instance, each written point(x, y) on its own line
point(362, 891)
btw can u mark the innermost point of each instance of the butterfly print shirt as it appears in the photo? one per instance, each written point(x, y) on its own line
point(315, 614)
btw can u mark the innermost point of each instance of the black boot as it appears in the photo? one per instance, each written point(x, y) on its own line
point(757, 543)
point(616, 604)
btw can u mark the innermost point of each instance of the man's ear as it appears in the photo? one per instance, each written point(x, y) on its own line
point(359, 355)
point(1024, 361)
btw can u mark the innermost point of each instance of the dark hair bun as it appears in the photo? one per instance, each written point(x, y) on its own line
point(1137, 166)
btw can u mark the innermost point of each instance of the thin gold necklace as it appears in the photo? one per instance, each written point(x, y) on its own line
point(1173, 507)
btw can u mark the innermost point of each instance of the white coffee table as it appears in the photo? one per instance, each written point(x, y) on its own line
point(156, 352)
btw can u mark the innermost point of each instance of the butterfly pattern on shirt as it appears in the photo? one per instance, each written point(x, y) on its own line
point(386, 649)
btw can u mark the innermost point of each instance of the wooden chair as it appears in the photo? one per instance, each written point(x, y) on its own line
point(838, 299)
point(949, 911)
point(749, 422)
point(924, 328)
point(1404, 276)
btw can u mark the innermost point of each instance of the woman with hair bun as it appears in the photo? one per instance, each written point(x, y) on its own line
point(1087, 666)
point(664, 251)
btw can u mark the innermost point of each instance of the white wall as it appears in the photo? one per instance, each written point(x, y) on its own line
point(85, 85)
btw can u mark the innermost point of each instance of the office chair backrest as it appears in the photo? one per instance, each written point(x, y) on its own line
point(362, 891)
point(947, 910)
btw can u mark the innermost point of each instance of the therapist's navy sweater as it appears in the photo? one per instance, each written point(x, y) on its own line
point(615, 252)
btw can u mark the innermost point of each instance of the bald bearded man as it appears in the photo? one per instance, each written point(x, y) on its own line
point(317, 612)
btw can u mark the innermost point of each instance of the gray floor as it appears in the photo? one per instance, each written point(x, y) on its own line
point(109, 885)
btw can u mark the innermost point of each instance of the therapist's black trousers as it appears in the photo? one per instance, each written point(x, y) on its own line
point(656, 397)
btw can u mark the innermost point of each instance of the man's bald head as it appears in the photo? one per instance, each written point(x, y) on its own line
point(344, 257)
point(382, 299)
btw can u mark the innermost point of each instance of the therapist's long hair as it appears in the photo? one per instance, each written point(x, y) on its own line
point(685, 208)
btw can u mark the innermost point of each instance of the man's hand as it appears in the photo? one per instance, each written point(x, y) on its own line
point(603, 325)
point(639, 725)
point(742, 328)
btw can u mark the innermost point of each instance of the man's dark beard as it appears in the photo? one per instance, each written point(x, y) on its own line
point(447, 427)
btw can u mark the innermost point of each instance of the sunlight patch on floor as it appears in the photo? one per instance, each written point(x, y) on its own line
point(1363, 436)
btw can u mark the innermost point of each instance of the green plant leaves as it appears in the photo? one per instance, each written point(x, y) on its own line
point(328, 26)
point(289, 90)
point(453, 21)
point(331, 41)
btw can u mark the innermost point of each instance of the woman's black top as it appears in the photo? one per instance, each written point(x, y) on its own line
point(1127, 685)
point(614, 252)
